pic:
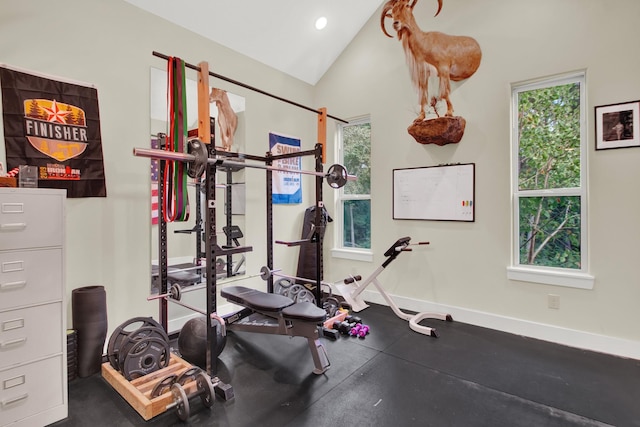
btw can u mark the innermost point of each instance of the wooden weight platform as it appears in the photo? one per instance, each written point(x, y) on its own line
point(137, 392)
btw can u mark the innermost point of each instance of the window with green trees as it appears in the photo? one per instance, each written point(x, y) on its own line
point(549, 179)
point(354, 200)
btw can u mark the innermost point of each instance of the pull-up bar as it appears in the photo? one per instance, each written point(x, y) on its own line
point(246, 86)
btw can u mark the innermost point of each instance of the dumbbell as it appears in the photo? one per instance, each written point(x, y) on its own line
point(363, 331)
point(343, 327)
point(330, 333)
point(359, 330)
point(204, 390)
point(353, 319)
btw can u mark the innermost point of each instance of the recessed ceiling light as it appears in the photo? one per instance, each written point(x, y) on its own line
point(321, 23)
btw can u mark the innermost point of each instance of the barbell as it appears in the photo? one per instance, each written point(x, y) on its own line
point(266, 272)
point(197, 158)
point(176, 291)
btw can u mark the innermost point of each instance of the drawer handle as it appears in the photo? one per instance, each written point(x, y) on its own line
point(13, 342)
point(13, 285)
point(13, 226)
point(16, 399)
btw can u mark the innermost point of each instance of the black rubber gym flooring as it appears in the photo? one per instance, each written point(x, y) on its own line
point(469, 376)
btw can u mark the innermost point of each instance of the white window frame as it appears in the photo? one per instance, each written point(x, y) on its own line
point(573, 278)
point(339, 251)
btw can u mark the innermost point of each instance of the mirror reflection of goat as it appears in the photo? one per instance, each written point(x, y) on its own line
point(227, 118)
point(453, 57)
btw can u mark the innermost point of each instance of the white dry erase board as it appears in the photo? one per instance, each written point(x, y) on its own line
point(437, 193)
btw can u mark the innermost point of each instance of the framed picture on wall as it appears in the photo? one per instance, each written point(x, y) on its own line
point(618, 125)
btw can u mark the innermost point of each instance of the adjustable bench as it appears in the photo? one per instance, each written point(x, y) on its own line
point(276, 314)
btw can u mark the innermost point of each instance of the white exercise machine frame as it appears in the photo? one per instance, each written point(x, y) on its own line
point(352, 288)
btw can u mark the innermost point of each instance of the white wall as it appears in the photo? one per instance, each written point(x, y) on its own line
point(110, 44)
point(464, 269)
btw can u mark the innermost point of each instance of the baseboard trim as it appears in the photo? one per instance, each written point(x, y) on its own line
point(565, 336)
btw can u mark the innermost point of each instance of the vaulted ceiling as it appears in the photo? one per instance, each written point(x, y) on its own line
point(278, 33)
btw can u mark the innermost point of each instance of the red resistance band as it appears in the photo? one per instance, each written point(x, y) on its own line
point(176, 198)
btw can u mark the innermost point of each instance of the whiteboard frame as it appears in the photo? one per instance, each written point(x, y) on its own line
point(469, 212)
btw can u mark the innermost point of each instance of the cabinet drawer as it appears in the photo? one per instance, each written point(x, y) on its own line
point(31, 389)
point(30, 277)
point(31, 219)
point(30, 333)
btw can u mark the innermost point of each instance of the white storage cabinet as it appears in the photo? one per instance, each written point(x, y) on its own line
point(33, 345)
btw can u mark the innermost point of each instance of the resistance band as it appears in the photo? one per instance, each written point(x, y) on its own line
point(176, 199)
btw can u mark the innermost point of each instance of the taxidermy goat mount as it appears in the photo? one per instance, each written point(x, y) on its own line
point(432, 53)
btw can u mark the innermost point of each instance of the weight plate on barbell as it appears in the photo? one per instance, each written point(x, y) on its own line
point(265, 273)
point(196, 168)
point(176, 292)
point(145, 356)
point(337, 176)
point(122, 331)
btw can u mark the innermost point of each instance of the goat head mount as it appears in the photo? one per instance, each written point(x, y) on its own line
point(432, 54)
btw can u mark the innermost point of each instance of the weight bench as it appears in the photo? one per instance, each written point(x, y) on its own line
point(175, 276)
point(269, 313)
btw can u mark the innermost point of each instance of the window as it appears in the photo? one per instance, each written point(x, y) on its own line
point(549, 182)
point(353, 210)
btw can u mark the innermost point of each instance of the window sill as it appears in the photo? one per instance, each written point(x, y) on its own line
point(352, 254)
point(551, 277)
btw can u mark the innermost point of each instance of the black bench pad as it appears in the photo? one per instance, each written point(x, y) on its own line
point(184, 277)
point(306, 311)
point(254, 299)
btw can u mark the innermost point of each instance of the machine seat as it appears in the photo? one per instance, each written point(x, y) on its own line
point(254, 299)
point(305, 311)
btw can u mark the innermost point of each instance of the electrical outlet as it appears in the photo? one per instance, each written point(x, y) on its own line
point(554, 301)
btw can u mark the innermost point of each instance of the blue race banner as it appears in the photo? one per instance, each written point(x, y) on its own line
point(287, 188)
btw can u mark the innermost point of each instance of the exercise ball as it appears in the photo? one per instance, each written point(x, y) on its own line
point(192, 342)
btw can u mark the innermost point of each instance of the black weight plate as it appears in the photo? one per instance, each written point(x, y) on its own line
point(331, 305)
point(145, 356)
point(182, 403)
point(305, 295)
point(280, 286)
point(163, 386)
point(196, 168)
point(292, 292)
point(129, 340)
point(205, 389)
point(190, 373)
point(337, 176)
point(122, 331)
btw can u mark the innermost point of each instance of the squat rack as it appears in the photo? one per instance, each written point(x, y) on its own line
point(212, 248)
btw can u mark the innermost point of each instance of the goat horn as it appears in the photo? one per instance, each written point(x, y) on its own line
point(439, 7)
point(387, 7)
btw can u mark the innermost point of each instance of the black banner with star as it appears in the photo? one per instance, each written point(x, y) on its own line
point(55, 126)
